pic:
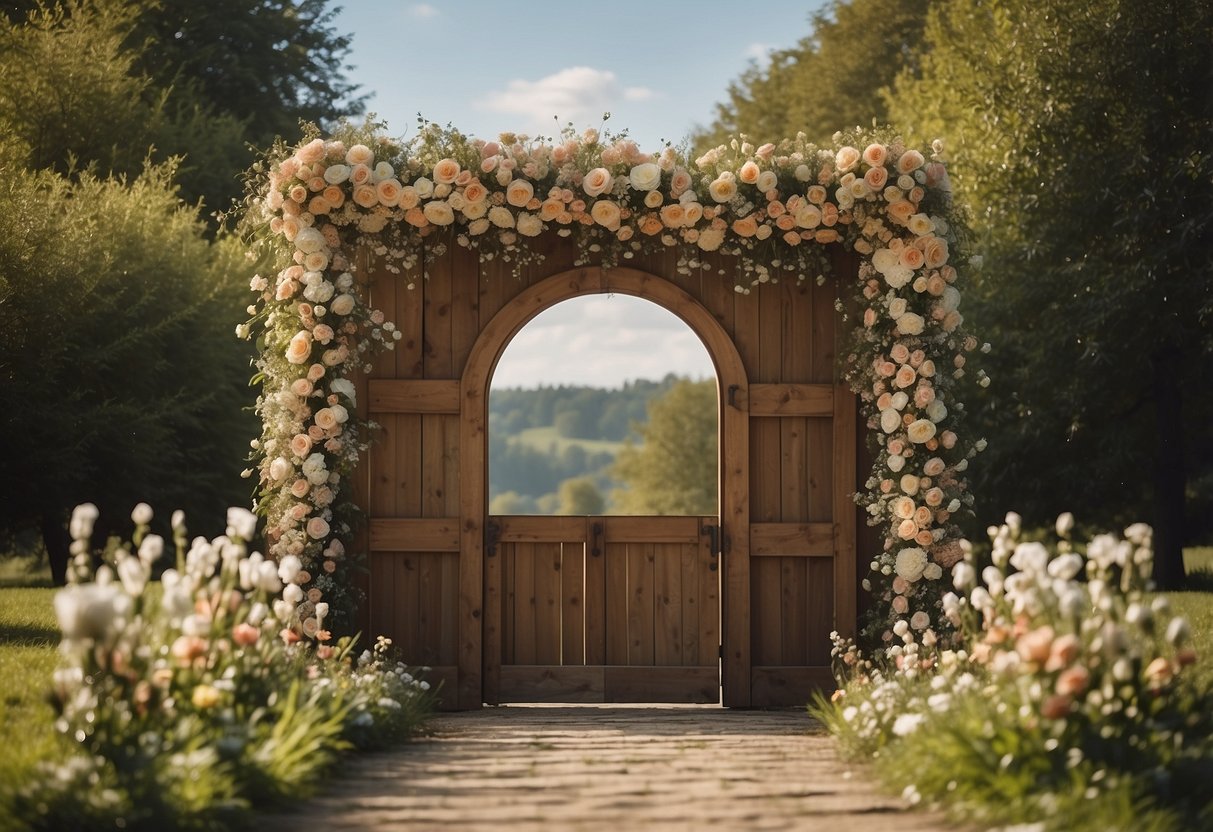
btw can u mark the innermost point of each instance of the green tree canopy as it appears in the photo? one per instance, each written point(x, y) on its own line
point(674, 470)
point(830, 80)
point(580, 496)
point(1080, 130)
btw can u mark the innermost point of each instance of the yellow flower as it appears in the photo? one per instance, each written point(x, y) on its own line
point(204, 697)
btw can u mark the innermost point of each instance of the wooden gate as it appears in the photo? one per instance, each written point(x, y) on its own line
point(444, 579)
point(606, 609)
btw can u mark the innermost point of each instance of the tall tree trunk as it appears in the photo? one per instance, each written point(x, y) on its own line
point(1169, 477)
point(58, 544)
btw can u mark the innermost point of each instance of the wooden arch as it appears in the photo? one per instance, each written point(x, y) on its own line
point(439, 569)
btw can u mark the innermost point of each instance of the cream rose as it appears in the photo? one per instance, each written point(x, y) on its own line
point(342, 304)
point(909, 484)
point(723, 187)
point(767, 180)
point(439, 212)
point(501, 217)
point(890, 420)
point(911, 563)
point(910, 323)
point(920, 431)
point(317, 528)
point(846, 158)
point(645, 177)
point(710, 239)
point(909, 161)
point(359, 154)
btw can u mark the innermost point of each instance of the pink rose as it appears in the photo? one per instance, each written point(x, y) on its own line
point(875, 155)
point(301, 445)
point(299, 488)
point(909, 162)
point(317, 528)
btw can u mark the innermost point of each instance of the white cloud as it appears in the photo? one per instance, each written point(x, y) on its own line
point(601, 341)
point(579, 94)
point(423, 10)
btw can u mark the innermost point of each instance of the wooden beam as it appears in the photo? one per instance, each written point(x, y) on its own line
point(408, 395)
point(791, 400)
point(537, 529)
point(414, 534)
point(812, 540)
point(651, 529)
point(783, 686)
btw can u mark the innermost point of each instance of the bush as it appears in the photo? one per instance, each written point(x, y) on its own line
point(1073, 702)
point(194, 698)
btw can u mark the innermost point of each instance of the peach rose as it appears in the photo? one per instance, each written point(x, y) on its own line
point(911, 258)
point(317, 528)
point(597, 181)
point(846, 158)
point(519, 193)
point(905, 376)
point(679, 182)
point(446, 171)
point(900, 211)
point(299, 348)
point(745, 227)
point(439, 212)
point(875, 155)
point(1073, 681)
point(748, 173)
point(920, 430)
point(909, 161)
point(673, 215)
point(904, 508)
point(651, 224)
point(310, 153)
point(907, 529)
point(723, 187)
point(922, 516)
point(876, 178)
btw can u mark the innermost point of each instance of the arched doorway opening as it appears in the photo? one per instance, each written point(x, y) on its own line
point(604, 608)
point(617, 597)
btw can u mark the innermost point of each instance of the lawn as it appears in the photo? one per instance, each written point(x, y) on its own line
point(28, 637)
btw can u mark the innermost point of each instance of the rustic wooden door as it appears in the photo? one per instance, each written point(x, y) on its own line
point(606, 609)
point(787, 526)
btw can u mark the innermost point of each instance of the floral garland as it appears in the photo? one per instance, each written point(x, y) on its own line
point(773, 207)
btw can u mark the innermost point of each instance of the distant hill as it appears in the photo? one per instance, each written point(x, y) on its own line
point(541, 437)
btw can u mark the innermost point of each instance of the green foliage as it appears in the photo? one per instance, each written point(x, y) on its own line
point(1081, 143)
point(580, 496)
point(1077, 703)
point(674, 471)
point(116, 321)
point(830, 80)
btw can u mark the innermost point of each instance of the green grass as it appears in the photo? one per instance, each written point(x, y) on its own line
point(541, 439)
point(28, 656)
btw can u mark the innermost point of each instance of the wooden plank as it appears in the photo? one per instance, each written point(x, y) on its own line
point(821, 470)
point(667, 603)
point(407, 449)
point(798, 333)
point(465, 304)
point(691, 603)
point(844, 510)
point(595, 593)
point(819, 608)
point(709, 637)
point(767, 632)
point(410, 320)
point(521, 528)
point(792, 540)
point(793, 469)
point(652, 529)
point(382, 585)
point(479, 634)
point(448, 638)
point(640, 603)
point(429, 607)
point(532, 683)
point(414, 534)
point(793, 585)
point(547, 603)
point(778, 399)
point(572, 603)
point(405, 606)
point(382, 294)
point(616, 603)
point(777, 687)
point(384, 475)
point(524, 603)
point(662, 684)
point(509, 598)
point(437, 353)
point(414, 395)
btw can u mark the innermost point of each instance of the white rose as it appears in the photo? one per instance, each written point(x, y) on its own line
point(896, 462)
point(767, 180)
point(645, 177)
point(424, 187)
point(890, 420)
point(909, 484)
point(382, 171)
point(937, 411)
point(342, 305)
point(280, 469)
point(344, 387)
point(897, 308)
point(309, 239)
point(724, 187)
point(439, 213)
point(898, 276)
point(911, 563)
point(336, 174)
point(921, 225)
point(529, 225)
point(501, 217)
point(475, 210)
point(884, 259)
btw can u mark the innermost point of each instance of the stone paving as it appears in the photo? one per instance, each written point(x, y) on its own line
point(609, 767)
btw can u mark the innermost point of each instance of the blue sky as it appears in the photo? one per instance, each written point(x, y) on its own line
point(485, 67)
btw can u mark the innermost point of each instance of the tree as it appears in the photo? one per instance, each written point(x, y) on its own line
point(674, 471)
point(1082, 143)
point(123, 380)
point(167, 78)
point(830, 80)
point(579, 496)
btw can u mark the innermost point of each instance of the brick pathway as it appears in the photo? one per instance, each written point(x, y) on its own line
point(610, 767)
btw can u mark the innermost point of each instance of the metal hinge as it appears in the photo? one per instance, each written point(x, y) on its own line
point(720, 651)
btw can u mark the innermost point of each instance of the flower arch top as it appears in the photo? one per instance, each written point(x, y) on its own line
point(771, 207)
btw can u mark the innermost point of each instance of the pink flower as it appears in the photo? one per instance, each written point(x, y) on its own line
point(245, 634)
point(317, 528)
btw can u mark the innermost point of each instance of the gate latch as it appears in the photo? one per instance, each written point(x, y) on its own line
point(713, 533)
